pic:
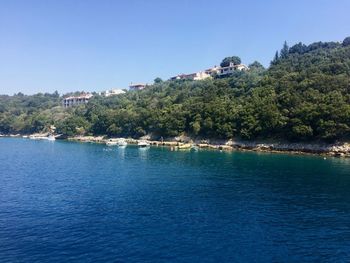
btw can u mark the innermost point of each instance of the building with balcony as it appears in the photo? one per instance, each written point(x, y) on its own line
point(224, 71)
point(76, 100)
point(137, 86)
point(194, 76)
point(211, 72)
point(111, 92)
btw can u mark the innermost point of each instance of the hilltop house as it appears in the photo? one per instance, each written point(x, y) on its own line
point(76, 100)
point(220, 71)
point(111, 92)
point(194, 76)
point(224, 71)
point(212, 71)
point(137, 86)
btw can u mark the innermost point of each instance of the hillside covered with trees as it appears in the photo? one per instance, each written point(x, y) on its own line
point(303, 95)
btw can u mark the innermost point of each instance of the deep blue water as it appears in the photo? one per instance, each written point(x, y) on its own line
point(71, 202)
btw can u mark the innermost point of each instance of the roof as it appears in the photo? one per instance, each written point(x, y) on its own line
point(136, 84)
point(115, 90)
point(82, 96)
point(234, 66)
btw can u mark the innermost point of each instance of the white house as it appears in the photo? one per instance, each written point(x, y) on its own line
point(212, 71)
point(223, 71)
point(112, 92)
point(194, 76)
point(220, 71)
point(137, 86)
point(201, 75)
point(76, 100)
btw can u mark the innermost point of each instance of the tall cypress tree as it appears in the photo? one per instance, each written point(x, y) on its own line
point(275, 58)
point(285, 50)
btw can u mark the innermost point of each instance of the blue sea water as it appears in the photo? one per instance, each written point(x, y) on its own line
point(71, 202)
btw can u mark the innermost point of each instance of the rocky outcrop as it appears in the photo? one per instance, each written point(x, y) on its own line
point(338, 149)
point(94, 139)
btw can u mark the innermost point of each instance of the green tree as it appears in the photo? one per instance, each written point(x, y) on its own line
point(275, 58)
point(285, 50)
point(226, 61)
point(158, 80)
point(346, 42)
point(256, 66)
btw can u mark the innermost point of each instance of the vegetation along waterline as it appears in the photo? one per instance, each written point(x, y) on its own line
point(302, 98)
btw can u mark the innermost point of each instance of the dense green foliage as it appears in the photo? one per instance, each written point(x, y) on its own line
point(28, 114)
point(226, 61)
point(303, 95)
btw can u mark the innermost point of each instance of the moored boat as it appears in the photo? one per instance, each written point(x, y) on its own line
point(185, 146)
point(117, 142)
point(38, 137)
point(143, 144)
point(51, 138)
point(122, 143)
point(112, 142)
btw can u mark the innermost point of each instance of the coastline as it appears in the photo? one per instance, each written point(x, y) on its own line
point(340, 149)
point(335, 150)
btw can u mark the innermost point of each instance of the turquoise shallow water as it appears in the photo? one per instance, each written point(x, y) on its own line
point(71, 202)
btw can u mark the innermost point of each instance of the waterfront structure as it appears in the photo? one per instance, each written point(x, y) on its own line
point(111, 92)
point(76, 100)
point(137, 86)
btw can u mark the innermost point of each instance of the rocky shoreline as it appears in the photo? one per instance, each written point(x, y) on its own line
point(340, 149)
point(337, 149)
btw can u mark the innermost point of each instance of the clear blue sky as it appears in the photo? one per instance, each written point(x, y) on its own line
point(93, 45)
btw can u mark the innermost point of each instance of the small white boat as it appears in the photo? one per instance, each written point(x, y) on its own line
point(112, 142)
point(143, 144)
point(51, 138)
point(116, 142)
point(122, 143)
point(36, 137)
point(33, 137)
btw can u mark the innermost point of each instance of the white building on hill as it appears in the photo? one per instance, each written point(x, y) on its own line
point(223, 71)
point(76, 100)
point(194, 76)
point(220, 71)
point(112, 92)
point(137, 86)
